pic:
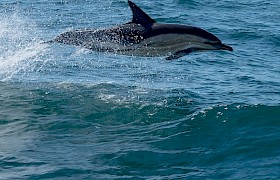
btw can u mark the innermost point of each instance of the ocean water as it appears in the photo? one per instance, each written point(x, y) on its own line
point(70, 113)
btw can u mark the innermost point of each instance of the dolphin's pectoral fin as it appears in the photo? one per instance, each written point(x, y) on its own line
point(181, 53)
point(140, 17)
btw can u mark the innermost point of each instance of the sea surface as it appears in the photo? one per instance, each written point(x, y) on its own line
point(71, 113)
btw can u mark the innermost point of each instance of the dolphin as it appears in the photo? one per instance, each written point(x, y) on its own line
point(143, 36)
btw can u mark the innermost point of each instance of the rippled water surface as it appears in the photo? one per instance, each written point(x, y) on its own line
point(71, 113)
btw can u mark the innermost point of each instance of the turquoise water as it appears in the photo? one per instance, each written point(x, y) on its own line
point(70, 113)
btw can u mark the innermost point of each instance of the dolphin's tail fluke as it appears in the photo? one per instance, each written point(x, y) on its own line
point(47, 42)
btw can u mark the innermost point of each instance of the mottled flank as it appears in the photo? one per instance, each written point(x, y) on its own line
point(68, 112)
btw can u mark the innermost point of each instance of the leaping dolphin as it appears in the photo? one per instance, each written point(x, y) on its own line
point(143, 36)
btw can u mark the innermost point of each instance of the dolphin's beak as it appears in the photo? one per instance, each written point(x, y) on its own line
point(225, 47)
point(220, 46)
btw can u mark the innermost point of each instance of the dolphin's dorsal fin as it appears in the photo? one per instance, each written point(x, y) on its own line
point(139, 16)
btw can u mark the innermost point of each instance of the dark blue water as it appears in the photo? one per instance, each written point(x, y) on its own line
point(70, 113)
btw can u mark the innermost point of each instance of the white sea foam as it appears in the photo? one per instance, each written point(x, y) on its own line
point(20, 47)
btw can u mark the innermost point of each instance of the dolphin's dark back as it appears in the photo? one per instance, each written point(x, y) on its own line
point(159, 28)
point(152, 28)
point(135, 33)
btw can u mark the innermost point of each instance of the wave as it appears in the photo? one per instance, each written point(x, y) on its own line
point(135, 129)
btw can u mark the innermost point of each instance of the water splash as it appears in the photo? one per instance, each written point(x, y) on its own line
point(20, 47)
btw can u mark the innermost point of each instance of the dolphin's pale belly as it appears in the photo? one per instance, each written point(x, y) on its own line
point(159, 45)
